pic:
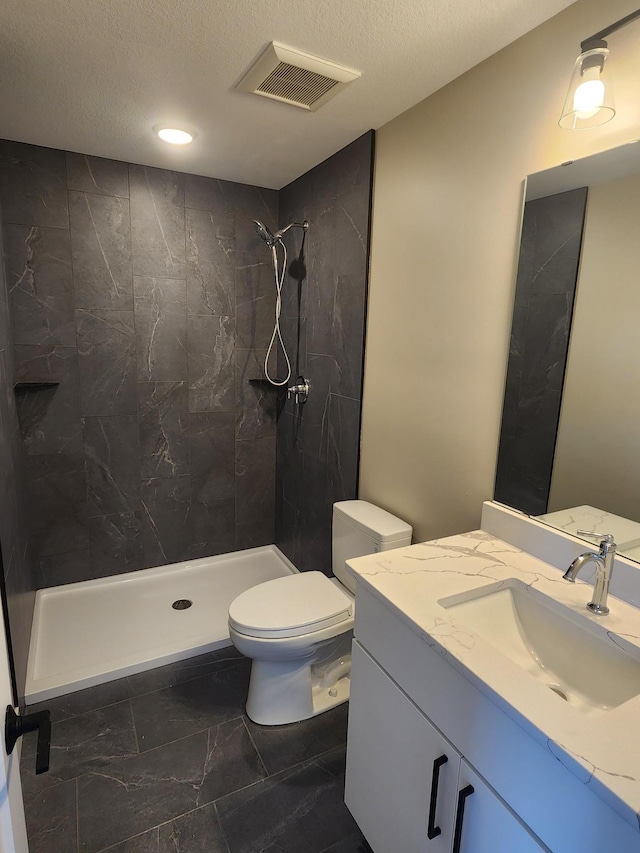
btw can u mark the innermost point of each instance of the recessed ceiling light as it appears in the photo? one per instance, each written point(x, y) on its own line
point(174, 135)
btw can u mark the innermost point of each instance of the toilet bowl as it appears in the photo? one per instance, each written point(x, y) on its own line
point(298, 629)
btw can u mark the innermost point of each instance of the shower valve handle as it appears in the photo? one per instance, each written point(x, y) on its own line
point(299, 391)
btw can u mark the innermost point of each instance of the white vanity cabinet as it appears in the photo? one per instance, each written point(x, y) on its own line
point(408, 788)
point(409, 706)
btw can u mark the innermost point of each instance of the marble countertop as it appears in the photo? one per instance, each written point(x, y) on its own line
point(601, 748)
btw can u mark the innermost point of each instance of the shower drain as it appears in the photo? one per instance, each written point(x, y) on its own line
point(182, 604)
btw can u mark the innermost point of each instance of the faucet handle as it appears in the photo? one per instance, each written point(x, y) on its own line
point(601, 537)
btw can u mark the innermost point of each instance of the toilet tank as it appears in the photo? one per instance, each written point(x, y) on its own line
point(361, 528)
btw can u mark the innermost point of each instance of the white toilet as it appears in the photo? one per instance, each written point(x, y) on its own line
point(298, 629)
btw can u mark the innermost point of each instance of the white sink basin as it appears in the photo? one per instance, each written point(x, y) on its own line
point(577, 658)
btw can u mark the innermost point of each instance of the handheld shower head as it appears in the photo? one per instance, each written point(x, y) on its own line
point(264, 233)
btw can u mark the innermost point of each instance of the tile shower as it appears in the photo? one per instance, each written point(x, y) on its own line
point(138, 290)
point(141, 305)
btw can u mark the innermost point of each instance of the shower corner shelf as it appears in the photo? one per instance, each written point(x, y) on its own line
point(262, 383)
point(34, 386)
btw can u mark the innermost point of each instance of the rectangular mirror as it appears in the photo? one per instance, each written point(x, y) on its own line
point(570, 439)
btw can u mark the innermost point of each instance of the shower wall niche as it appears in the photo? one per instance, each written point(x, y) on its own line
point(141, 296)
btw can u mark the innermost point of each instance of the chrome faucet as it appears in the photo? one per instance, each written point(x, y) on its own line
point(604, 561)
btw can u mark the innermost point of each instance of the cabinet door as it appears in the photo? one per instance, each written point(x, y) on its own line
point(484, 823)
point(391, 752)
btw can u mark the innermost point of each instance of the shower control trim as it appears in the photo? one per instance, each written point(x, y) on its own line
point(299, 391)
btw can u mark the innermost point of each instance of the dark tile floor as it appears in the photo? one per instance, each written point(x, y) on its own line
point(166, 762)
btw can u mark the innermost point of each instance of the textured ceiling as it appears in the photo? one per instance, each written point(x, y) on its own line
point(96, 75)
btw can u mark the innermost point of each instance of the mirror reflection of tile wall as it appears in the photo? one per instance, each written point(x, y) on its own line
point(545, 289)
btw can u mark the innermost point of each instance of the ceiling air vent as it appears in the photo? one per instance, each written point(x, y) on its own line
point(296, 78)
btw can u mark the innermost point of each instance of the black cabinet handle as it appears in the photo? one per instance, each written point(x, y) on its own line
point(15, 727)
point(434, 831)
point(457, 835)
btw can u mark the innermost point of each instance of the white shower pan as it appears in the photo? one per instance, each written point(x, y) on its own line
point(95, 631)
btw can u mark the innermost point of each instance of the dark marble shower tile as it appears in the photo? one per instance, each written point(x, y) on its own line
point(348, 332)
point(59, 569)
point(165, 507)
point(50, 418)
point(141, 792)
point(294, 333)
point(97, 175)
point(161, 328)
point(210, 262)
point(193, 706)
point(351, 231)
point(40, 284)
point(211, 342)
point(316, 498)
point(87, 743)
point(157, 222)
point(211, 520)
point(343, 448)
point(296, 282)
point(353, 163)
point(289, 535)
point(254, 534)
point(255, 305)
point(289, 457)
point(325, 376)
point(211, 450)
point(106, 354)
point(113, 469)
point(253, 203)
point(101, 249)
point(52, 819)
point(255, 400)
point(255, 480)
point(33, 188)
point(115, 543)
point(281, 747)
point(320, 303)
point(299, 809)
point(57, 489)
point(211, 194)
point(163, 418)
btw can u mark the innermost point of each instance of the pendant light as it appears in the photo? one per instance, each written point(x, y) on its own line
point(589, 102)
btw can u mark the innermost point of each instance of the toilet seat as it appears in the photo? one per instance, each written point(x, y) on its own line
point(290, 606)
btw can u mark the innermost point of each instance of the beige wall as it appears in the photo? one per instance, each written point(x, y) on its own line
point(446, 218)
point(597, 459)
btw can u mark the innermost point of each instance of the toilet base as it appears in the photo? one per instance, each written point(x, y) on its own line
point(288, 691)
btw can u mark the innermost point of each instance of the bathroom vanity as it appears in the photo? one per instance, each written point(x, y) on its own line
point(490, 711)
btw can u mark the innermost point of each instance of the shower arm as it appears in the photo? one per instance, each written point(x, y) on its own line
point(282, 231)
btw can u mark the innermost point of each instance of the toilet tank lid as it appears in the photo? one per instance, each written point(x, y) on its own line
point(376, 522)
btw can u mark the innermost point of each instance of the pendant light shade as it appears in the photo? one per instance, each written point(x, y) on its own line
point(589, 101)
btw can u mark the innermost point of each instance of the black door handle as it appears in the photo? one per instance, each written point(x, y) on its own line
point(457, 835)
point(15, 727)
point(434, 831)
